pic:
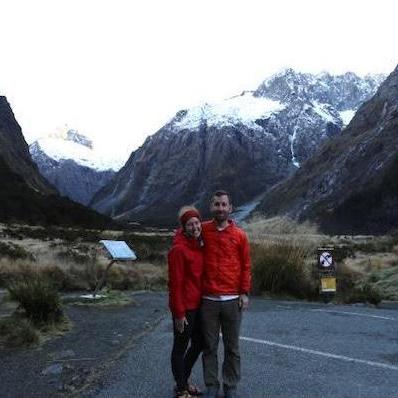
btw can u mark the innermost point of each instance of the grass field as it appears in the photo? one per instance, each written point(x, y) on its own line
point(284, 259)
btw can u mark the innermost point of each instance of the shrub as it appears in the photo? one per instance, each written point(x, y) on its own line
point(14, 252)
point(139, 277)
point(352, 288)
point(149, 248)
point(363, 293)
point(283, 268)
point(16, 332)
point(61, 279)
point(74, 255)
point(53, 232)
point(386, 282)
point(38, 298)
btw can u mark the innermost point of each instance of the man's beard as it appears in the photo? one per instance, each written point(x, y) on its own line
point(221, 216)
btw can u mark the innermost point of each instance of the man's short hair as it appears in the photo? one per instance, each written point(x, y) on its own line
point(221, 192)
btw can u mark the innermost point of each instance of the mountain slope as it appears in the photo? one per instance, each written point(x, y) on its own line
point(350, 185)
point(15, 152)
point(245, 144)
point(25, 196)
point(70, 163)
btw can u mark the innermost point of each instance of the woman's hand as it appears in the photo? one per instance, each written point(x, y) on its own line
point(180, 324)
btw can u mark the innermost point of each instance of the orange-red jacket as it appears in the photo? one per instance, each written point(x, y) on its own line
point(185, 274)
point(226, 259)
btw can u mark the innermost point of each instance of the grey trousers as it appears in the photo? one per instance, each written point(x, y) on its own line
point(224, 316)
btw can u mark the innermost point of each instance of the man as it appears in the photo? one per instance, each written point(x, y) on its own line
point(227, 279)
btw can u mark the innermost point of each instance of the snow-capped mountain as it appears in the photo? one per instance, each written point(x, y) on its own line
point(245, 144)
point(69, 161)
point(350, 185)
point(27, 197)
point(342, 92)
point(69, 144)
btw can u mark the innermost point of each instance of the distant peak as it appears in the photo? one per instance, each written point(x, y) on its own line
point(350, 75)
point(75, 136)
point(67, 134)
point(284, 72)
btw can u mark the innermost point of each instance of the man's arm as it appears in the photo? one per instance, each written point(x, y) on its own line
point(246, 276)
point(245, 272)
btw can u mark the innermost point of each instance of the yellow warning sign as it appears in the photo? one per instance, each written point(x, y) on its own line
point(328, 284)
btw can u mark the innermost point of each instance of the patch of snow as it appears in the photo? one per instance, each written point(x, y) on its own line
point(346, 116)
point(321, 110)
point(292, 138)
point(58, 149)
point(244, 109)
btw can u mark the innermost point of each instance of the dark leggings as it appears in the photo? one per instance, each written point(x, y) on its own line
point(182, 357)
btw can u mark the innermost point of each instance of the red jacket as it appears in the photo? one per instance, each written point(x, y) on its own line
point(185, 275)
point(227, 260)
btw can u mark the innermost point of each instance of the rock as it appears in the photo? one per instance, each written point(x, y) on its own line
point(63, 354)
point(53, 370)
point(60, 387)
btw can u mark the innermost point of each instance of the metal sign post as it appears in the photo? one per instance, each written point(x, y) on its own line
point(326, 272)
point(117, 251)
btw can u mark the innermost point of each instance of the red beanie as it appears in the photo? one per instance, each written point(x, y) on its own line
point(187, 215)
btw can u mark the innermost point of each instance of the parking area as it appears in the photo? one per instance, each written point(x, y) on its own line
point(289, 349)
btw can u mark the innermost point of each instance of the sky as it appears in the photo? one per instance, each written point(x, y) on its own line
point(118, 70)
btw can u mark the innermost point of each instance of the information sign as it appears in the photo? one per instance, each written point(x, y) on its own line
point(118, 250)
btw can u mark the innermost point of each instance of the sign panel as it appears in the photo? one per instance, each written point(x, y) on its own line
point(328, 284)
point(326, 271)
point(119, 250)
point(325, 259)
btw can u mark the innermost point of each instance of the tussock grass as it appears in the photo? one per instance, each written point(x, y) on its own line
point(84, 277)
point(140, 276)
point(38, 299)
point(38, 315)
point(283, 268)
point(352, 287)
point(386, 281)
point(258, 227)
point(16, 331)
point(76, 263)
point(284, 261)
point(14, 251)
point(283, 255)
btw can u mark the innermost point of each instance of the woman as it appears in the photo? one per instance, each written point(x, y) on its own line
point(185, 291)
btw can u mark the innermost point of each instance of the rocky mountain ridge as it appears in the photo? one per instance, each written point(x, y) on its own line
point(246, 144)
point(350, 185)
point(15, 151)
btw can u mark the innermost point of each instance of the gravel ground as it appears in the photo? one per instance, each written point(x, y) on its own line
point(69, 364)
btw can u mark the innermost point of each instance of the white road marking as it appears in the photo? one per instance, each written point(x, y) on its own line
point(320, 353)
point(356, 313)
